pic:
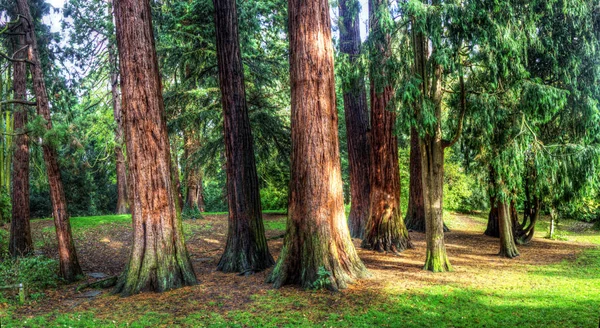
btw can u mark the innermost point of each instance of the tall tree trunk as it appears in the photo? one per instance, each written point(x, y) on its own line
point(385, 229)
point(121, 168)
point(246, 250)
point(159, 259)
point(68, 262)
point(193, 173)
point(357, 120)
point(415, 215)
point(508, 248)
point(432, 157)
point(317, 245)
point(493, 225)
point(176, 174)
point(20, 243)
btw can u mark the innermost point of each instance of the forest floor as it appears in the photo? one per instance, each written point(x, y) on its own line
point(554, 283)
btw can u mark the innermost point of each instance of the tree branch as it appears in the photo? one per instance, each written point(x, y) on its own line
point(463, 109)
point(16, 60)
point(18, 101)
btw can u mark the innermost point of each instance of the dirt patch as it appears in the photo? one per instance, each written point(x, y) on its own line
point(105, 249)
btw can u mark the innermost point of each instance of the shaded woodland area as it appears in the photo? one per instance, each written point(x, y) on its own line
point(300, 162)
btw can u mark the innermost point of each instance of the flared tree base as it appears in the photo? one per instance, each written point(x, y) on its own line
point(437, 262)
point(243, 262)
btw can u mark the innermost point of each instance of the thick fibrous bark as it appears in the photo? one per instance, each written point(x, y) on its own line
point(385, 230)
point(357, 121)
point(493, 225)
point(507, 243)
point(246, 250)
point(20, 243)
point(159, 260)
point(69, 265)
point(317, 238)
point(121, 168)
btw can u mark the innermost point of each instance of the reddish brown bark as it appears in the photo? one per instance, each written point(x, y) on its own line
point(317, 237)
point(121, 167)
point(246, 250)
point(159, 259)
point(357, 120)
point(176, 175)
point(20, 243)
point(194, 198)
point(69, 265)
point(385, 229)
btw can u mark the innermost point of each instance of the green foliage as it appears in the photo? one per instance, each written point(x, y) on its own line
point(4, 237)
point(191, 213)
point(5, 205)
point(36, 273)
point(323, 279)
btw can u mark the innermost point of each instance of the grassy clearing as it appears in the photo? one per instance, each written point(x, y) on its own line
point(561, 294)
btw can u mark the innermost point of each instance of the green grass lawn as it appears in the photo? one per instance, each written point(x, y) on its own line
point(564, 294)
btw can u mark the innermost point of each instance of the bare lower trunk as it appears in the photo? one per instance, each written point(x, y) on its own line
point(159, 259)
point(357, 121)
point(433, 186)
point(246, 250)
point(317, 249)
point(68, 263)
point(193, 173)
point(20, 243)
point(493, 225)
point(508, 248)
point(176, 175)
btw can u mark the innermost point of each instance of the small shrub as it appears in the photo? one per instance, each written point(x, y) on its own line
point(191, 213)
point(4, 235)
point(323, 280)
point(5, 206)
point(36, 272)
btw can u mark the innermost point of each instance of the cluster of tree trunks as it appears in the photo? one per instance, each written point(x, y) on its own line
point(246, 250)
point(357, 120)
point(68, 262)
point(20, 243)
point(159, 259)
point(317, 244)
point(385, 229)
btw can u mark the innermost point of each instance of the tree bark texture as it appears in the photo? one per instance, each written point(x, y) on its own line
point(194, 198)
point(415, 216)
point(317, 249)
point(121, 166)
point(508, 248)
point(176, 174)
point(20, 243)
point(159, 259)
point(68, 262)
point(357, 120)
point(493, 225)
point(246, 250)
point(385, 229)
point(432, 157)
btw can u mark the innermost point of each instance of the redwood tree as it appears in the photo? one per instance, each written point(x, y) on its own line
point(385, 229)
point(159, 259)
point(69, 265)
point(194, 198)
point(20, 232)
point(357, 119)
point(246, 250)
point(317, 249)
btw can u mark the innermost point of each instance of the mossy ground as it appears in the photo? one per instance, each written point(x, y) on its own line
point(554, 283)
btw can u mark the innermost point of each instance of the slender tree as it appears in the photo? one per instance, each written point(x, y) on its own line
point(317, 244)
point(69, 264)
point(121, 166)
point(159, 259)
point(194, 198)
point(385, 229)
point(20, 243)
point(357, 118)
point(246, 250)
